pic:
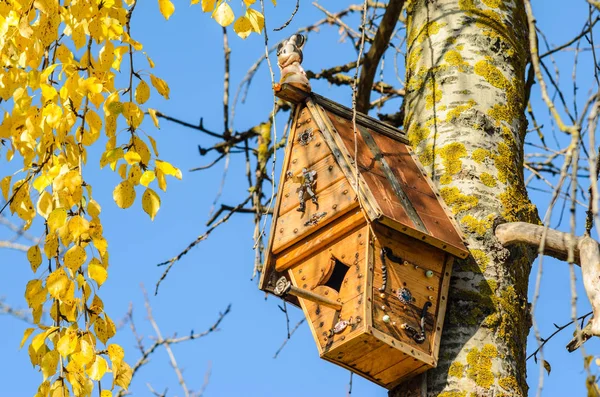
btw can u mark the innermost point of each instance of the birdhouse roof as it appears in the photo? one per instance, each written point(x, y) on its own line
point(393, 188)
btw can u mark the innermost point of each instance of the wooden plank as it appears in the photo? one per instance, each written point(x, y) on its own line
point(327, 174)
point(361, 118)
point(397, 188)
point(292, 226)
point(289, 92)
point(441, 313)
point(386, 200)
point(406, 348)
point(344, 160)
point(413, 251)
point(269, 262)
point(301, 155)
point(354, 348)
point(437, 219)
point(324, 236)
point(378, 360)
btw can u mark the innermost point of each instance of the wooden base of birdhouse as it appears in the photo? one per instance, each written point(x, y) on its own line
point(377, 331)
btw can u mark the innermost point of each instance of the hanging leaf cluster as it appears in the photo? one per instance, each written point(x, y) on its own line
point(222, 13)
point(60, 93)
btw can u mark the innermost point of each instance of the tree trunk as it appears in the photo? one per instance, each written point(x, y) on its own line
point(465, 101)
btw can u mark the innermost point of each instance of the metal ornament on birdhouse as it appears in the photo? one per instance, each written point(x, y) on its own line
point(362, 243)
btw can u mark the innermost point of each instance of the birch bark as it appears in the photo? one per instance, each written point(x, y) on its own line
point(464, 104)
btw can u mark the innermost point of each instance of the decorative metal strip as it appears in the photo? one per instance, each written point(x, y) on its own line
point(389, 174)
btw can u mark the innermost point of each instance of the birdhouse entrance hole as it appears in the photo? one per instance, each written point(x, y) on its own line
point(337, 275)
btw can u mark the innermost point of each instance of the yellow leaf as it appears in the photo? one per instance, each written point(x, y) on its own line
point(77, 227)
point(124, 194)
point(5, 186)
point(35, 257)
point(150, 61)
point(132, 157)
point(133, 114)
point(150, 202)
point(75, 257)
point(44, 204)
point(100, 243)
point(58, 283)
point(35, 293)
point(67, 343)
point(153, 143)
point(152, 113)
point(223, 14)
point(242, 27)
point(49, 363)
point(142, 92)
point(257, 20)
point(93, 208)
point(56, 219)
point(274, 2)
point(208, 5)
point(26, 336)
point(160, 177)
point(135, 173)
point(85, 355)
point(97, 273)
point(116, 355)
point(104, 329)
point(97, 370)
point(106, 393)
point(51, 246)
point(166, 8)
point(249, 2)
point(147, 177)
point(123, 376)
point(168, 169)
point(194, 2)
point(160, 85)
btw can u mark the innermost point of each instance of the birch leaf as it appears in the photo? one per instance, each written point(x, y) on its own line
point(166, 8)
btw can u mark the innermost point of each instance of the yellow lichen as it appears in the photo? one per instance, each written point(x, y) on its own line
point(451, 155)
point(479, 155)
point(481, 258)
point(417, 134)
point(435, 96)
point(456, 370)
point(453, 58)
point(453, 394)
point(510, 383)
point(487, 179)
point(458, 201)
point(456, 112)
point(426, 155)
point(479, 226)
point(493, 3)
point(517, 207)
point(480, 365)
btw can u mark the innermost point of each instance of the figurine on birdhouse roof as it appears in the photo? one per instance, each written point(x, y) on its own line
point(370, 261)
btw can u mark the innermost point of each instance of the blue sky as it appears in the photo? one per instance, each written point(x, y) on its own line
point(187, 51)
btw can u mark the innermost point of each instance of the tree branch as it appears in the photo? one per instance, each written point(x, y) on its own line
point(376, 51)
point(557, 244)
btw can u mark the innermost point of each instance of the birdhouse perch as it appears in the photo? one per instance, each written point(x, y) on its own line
point(360, 241)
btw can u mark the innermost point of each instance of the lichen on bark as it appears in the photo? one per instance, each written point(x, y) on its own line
point(465, 103)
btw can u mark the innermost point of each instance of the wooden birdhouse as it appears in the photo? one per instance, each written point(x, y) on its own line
point(361, 241)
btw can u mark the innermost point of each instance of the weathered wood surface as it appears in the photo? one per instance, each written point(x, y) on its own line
point(397, 184)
